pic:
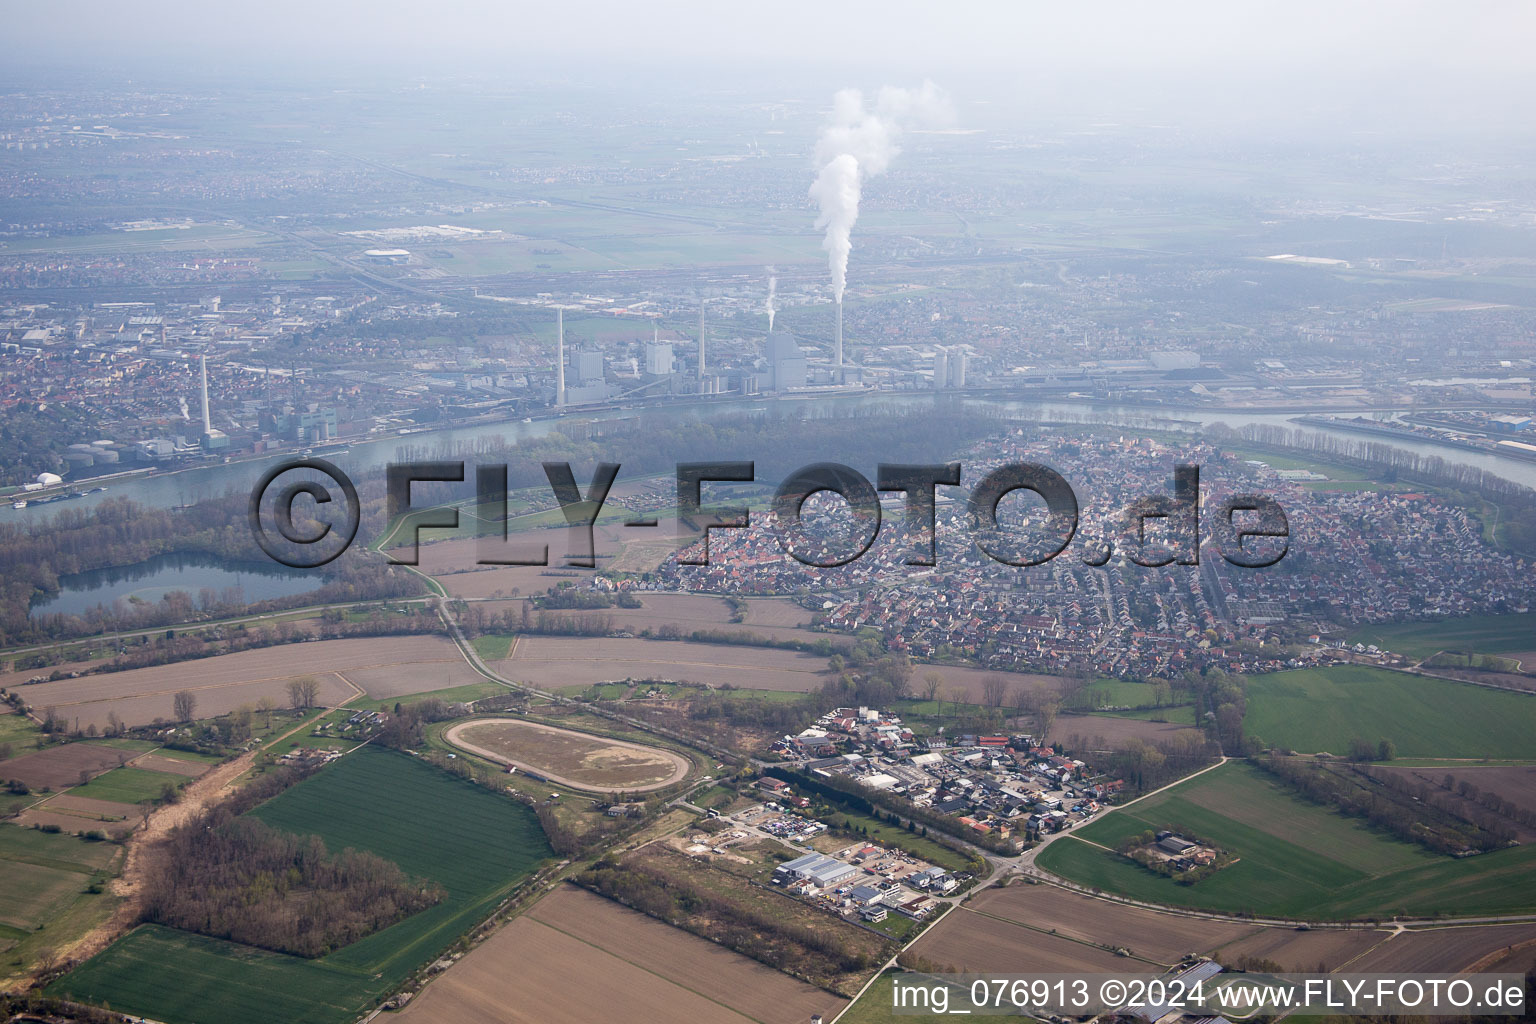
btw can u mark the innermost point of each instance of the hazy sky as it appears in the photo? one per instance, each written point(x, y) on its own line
point(1229, 34)
point(1440, 57)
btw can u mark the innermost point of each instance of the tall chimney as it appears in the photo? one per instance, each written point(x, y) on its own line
point(560, 358)
point(838, 348)
point(702, 365)
point(207, 423)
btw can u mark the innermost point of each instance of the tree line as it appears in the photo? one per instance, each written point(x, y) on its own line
point(1388, 805)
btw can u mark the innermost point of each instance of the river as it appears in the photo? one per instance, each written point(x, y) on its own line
point(196, 483)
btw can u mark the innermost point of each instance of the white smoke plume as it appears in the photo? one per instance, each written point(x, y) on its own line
point(773, 290)
point(858, 143)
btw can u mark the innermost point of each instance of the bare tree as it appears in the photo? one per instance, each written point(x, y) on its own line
point(184, 705)
point(931, 683)
point(303, 691)
point(266, 705)
point(993, 689)
point(1043, 704)
point(1046, 715)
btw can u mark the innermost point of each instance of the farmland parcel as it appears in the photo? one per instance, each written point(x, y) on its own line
point(476, 845)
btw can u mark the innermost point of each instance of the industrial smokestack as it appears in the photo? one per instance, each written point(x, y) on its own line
point(773, 288)
point(207, 423)
point(559, 358)
point(702, 364)
point(838, 348)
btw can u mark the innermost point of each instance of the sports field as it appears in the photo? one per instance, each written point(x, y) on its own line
point(1291, 858)
point(475, 844)
point(575, 759)
point(1313, 710)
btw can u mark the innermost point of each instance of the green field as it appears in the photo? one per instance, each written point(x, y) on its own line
point(1292, 858)
point(129, 785)
point(1313, 710)
point(877, 1004)
point(20, 733)
point(876, 831)
point(43, 888)
point(1483, 634)
point(474, 843)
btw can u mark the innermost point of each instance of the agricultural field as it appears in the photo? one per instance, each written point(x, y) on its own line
point(1453, 949)
point(44, 891)
point(1321, 949)
point(973, 942)
point(579, 955)
point(1314, 710)
point(1480, 634)
point(1148, 934)
point(766, 618)
point(1109, 732)
point(396, 665)
point(18, 732)
point(454, 564)
point(549, 662)
point(579, 760)
point(1291, 858)
point(129, 785)
point(552, 662)
point(1509, 783)
point(61, 766)
point(475, 844)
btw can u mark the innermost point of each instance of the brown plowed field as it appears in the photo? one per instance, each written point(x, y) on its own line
point(60, 767)
point(224, 683)
point(688, 613)
point(1441, 949)
point(73, 823)
point(1303, 951)
point(1115, 732)
point(969, 941)
point(16, 679)
point(85, 806)
point(1515, 784)
point(537, 971)
point(1146, 933)
point(415, 677)
point(549, 662)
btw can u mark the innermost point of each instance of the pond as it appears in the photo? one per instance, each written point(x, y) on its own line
point(151, 580)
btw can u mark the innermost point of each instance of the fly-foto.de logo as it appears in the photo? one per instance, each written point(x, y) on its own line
point(1249, 530)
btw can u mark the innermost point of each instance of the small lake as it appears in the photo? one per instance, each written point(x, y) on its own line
point(152, 580)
